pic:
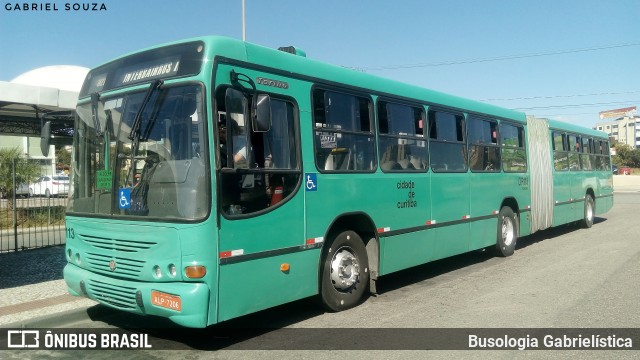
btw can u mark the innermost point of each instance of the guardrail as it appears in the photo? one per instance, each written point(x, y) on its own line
point(32, 222)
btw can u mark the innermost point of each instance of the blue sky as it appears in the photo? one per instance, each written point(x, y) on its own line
point(499, 47)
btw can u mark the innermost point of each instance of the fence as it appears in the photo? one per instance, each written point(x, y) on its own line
point(34, 216)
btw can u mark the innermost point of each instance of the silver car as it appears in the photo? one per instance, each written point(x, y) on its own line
point(50, 185)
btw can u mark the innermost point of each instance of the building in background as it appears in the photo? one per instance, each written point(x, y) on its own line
point(624, 126)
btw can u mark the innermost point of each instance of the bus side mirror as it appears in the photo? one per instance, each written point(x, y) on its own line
point(45, 137)
point(262, 113)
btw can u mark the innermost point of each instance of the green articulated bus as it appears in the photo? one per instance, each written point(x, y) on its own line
point(213, 178)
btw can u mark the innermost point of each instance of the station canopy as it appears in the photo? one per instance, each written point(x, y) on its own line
point(50, 92)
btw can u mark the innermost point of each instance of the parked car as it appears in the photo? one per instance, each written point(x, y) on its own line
point(624, 170)
point(21, 191)
point(48, 186)
point(614, 169)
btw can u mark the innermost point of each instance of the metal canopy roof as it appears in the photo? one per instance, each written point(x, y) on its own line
point(23, 106)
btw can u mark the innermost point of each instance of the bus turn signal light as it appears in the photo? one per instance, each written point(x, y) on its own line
point(284, 267)
point(195, 271)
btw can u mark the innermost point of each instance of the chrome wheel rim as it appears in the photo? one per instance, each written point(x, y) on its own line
point(508, 233)
point(345, 269)
point(589, 211)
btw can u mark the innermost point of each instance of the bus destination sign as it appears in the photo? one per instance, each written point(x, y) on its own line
point(163, 63)
point(158, 68)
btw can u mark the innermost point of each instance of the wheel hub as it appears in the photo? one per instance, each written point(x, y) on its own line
point(507, 231)
point(345, 269)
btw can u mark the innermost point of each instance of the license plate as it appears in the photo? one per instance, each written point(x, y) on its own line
point(164, 300)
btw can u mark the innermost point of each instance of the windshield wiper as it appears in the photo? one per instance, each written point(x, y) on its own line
point(95, 97)
point(134, 135)
point(135, 127)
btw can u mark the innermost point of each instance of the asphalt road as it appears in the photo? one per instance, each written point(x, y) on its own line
point(560, 278)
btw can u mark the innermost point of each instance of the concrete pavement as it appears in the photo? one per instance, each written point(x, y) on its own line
point(32, 290)
point(31, 286)
point(626, 183)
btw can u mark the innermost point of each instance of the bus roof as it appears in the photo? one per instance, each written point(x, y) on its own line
point(560, 125)
point(301, 66)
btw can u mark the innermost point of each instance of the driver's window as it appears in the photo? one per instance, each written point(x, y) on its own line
point(258, 170)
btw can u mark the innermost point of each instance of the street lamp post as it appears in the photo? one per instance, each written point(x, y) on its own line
point(244, 28)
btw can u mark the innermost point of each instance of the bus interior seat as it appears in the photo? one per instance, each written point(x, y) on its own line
point(390, 166)
point(417, 163)
point(406, 164)
point(338, 159)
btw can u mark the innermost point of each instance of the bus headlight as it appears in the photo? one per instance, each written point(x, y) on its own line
point(172, 270)
point(157, 272)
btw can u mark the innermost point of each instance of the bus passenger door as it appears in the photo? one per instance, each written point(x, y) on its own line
point(261, 238)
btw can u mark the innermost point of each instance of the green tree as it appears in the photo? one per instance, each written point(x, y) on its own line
point(63, 156)
point(626, 156)
point(26, 171)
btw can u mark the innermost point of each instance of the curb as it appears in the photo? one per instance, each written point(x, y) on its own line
point(54, 320)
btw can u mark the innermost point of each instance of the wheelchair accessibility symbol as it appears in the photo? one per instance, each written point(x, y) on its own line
point(124, 198)
point(311, 182)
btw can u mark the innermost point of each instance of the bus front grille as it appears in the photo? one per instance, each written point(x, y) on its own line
point(123, 245)
point(115, 265)
point(122, 297)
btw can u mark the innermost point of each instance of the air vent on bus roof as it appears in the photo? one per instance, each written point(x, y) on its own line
point(293, 50)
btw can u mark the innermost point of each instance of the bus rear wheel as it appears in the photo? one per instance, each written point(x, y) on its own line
point(507, 232)
point(589, 212)
point(345, 272)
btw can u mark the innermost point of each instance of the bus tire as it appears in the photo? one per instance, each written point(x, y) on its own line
point(589, 212)
point(345, 272)
point(507, 232)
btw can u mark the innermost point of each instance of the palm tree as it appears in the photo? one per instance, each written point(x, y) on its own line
point(26, 171)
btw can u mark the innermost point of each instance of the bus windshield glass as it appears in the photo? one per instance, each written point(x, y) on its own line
point(152, 167)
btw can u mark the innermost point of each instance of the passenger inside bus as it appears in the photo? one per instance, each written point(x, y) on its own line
point(239, 145)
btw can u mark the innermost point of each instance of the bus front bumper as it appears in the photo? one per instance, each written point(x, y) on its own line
point(186, 304)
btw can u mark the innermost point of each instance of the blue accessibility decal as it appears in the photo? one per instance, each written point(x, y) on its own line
point(124, 198)
point(311, 182)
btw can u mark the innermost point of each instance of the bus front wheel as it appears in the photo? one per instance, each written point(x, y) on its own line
point(345, 272)
point(507, 232)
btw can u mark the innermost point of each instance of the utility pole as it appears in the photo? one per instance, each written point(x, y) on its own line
point(244, 28)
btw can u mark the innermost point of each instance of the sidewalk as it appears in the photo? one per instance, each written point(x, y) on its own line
point(32, 289)
point(626, 183)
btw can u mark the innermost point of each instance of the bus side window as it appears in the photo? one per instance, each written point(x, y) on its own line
point(401, 140)
point(448, 150)
point(344, 140)
point(574, 149)
point(514, 156)
point(484, 152)
point(270, 170)
point(560, 154)
point(586, 157)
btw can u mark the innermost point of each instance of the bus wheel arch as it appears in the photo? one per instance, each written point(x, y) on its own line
point(346, 272)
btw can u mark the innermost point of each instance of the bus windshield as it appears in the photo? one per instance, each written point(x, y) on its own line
point(155, 166)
